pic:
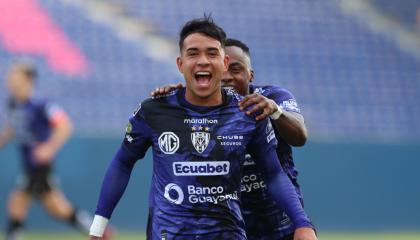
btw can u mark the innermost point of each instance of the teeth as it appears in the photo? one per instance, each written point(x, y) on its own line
point(202, 73)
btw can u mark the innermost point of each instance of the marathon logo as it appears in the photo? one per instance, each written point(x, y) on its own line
point(201, 168)
point(203, 121)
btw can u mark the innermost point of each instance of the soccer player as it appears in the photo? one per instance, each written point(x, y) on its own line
point(41, 128)
point(199, 138)
point(262, 218)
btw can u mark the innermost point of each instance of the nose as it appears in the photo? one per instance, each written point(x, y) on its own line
point(203, 60)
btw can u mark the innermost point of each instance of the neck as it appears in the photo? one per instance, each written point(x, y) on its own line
point(214, 99)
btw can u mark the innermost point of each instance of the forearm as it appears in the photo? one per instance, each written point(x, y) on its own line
point(291, 128)
point(283, 192)
point(60, 134)
point(115, 182)
point(5, 136)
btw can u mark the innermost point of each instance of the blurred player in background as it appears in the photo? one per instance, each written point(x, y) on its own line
point(199, 138)
point(262, 218)
point(41, 128)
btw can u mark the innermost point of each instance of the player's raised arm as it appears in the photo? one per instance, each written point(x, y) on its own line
point(263, 149)
point(136, 142)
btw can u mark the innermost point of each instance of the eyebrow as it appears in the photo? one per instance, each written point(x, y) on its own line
point(208, 49)
point(236, 64)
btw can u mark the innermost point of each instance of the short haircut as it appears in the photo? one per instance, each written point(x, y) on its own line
point(205, 26)
point(27, 68)
point(236, 43)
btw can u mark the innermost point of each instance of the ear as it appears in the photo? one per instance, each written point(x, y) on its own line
point(179, 63)
point(226, 62)
point(252, 75)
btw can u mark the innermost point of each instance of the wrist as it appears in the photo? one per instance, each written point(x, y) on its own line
point(98, 226)
point(275, 115)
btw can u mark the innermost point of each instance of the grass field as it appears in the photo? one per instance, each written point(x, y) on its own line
point(325, 236)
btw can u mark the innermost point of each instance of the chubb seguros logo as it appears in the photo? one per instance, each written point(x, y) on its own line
point(174, 193)
point(168, 142)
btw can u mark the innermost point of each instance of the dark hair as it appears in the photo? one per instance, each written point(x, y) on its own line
point(27, 68)
point(205, 26)
point(236, 43)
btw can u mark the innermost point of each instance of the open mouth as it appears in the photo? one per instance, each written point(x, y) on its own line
point(228, 87)
point(203, 78)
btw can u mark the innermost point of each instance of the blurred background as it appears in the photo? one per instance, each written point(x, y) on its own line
point(353, 66)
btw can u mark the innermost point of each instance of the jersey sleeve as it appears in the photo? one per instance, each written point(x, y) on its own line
point(54, 113)
point(138, 135)
point(137, 140)
point(263, 149)
point(284, 99)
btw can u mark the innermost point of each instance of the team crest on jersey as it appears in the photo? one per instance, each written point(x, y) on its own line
point(200, 140)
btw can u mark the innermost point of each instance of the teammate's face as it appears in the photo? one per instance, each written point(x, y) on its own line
point(18, 84)
point(239, 73)
point(202, 62)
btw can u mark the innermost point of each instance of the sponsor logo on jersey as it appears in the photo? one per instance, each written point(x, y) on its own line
point(168, 142)
point(251, 182)
point(290, 105)
point(248, 160)
point(230, 140)
point(201, 139)
point(259, 90)
point(173, 193)
point(201, 168)
point(198, 194)
point(200, 121)
point(214, 194)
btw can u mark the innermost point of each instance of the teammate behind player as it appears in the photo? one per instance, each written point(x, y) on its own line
point(199, 138)
point(262, 218)
point(41, 128)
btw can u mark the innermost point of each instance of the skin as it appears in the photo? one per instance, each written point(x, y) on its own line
point(201, 53)
point(20, 87)
point(239, 75)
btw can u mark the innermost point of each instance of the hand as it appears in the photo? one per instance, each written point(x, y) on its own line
point(261, 104)
point(165, 90)
point(43, 153)
point(305, 233)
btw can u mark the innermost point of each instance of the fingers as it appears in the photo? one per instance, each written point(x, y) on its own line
point(248, 101)
point(165, 89)
point(261, 105)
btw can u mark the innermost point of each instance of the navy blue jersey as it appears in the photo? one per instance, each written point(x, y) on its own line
point(198, 154)
point(263, 218)
point(32, 124)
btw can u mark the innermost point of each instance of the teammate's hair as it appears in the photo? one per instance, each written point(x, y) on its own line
point(237, 43)
point(27, 68)
point(205, 26)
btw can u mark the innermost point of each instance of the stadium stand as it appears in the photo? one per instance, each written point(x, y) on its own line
point(351, 82)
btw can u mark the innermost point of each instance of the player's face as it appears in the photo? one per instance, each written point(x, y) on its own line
point(18, 84)
point(239, 73)
point(202, 62)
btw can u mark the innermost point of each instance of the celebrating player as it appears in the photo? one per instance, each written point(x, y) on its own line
point(262, 218)
point(41, 128)
point(199, 138)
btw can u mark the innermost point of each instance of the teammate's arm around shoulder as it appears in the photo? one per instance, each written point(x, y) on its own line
point(62, 129)
point(6, 135)
point(287, 119)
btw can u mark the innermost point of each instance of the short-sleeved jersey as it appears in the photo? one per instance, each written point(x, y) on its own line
point(262, 216)
point(198, 154)
point(32, 123)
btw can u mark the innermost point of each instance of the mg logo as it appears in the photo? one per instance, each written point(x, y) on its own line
point(168, 142)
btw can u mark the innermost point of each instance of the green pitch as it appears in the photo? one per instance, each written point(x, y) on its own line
point(140, 236)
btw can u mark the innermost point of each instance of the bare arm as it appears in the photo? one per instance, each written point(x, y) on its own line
point(6, 135)
point(291, 125)
point(62, 130)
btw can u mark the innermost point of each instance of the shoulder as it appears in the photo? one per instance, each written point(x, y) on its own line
point(155, 103)
point(270, 90)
